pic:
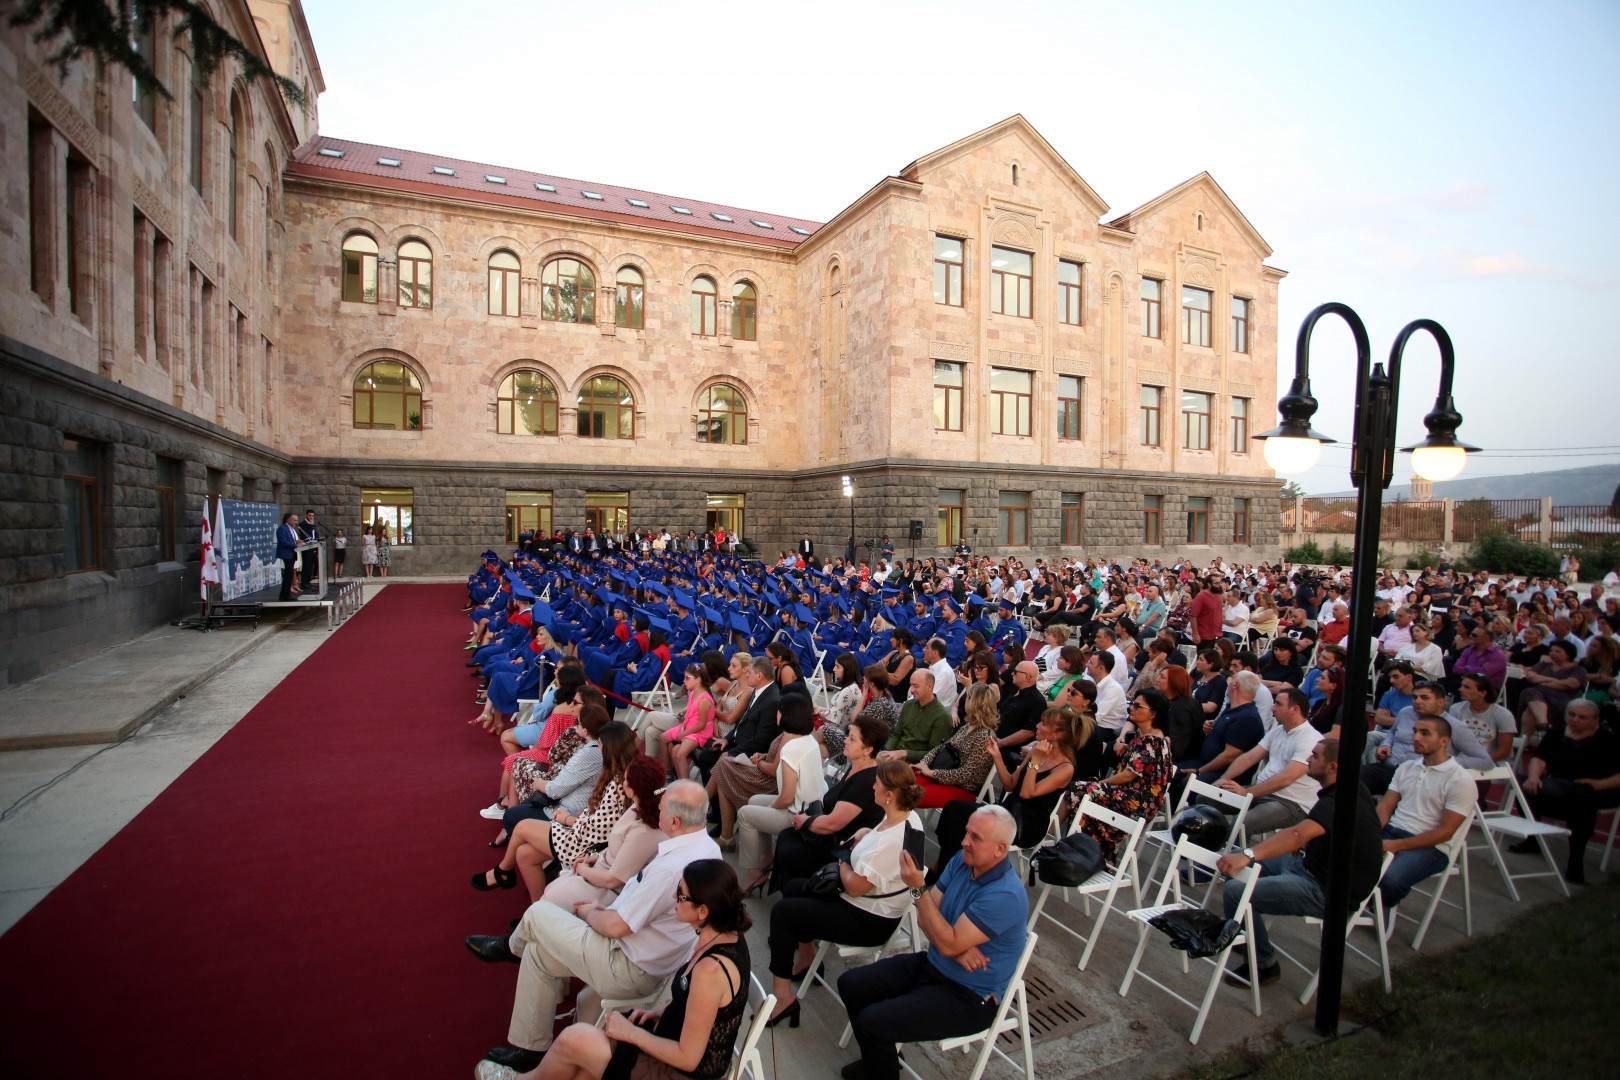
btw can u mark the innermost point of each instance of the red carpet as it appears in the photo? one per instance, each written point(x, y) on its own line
point(294, 904)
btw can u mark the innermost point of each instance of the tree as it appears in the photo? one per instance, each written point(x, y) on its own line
point(1291, 489)
point(105, 29)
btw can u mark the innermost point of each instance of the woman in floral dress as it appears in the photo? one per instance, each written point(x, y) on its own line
point(1145, 767)
point(383, 544)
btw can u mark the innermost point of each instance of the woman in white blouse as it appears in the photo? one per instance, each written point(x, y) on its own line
point(1423, 654)
point(1057, 636)
point(799, 781)
point(872, 901)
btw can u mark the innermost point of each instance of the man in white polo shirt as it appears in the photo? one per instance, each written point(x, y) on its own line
point(1425, 811)
point(1108, 641)
point(1283, 790)
point(1111, 707)
point(944, 676)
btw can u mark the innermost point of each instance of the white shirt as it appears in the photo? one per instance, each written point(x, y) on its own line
point(1122, 667)
point(802, 754)
point(1487, 725)
point(1427, 791)
point(658, 942)
point(1263, 701)
point(1429, 660)
point(877, 859)
point(1283, 747)
point(1111, 706)
point(1235, 619)
point(945, 687)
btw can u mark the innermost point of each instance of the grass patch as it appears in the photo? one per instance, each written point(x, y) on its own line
point(1533, 1001)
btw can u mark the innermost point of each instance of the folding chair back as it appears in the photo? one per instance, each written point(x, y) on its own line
point(1210, 793)
point(1522, 825)
point(1105, 883)
point(746, 1059)
point(660, 692)
point(1358, 919)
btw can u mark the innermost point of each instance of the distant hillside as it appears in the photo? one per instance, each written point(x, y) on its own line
point(1591, 486)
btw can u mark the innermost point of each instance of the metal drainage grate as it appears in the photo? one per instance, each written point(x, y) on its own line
point(1053, 1013)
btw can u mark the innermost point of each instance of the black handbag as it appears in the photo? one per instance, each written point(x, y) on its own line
point(811, 811)
point(1068, 863)
point(1195, 931)
point(828, 882)
point(946, 758)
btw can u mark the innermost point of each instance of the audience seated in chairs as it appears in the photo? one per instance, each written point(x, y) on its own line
point(1294, 862)
point(871, 900)
point(1283, 789)
point(969, 746)
point(974, 921)
point(847, 807)
point(1138, 787)
point(799, 782)
point(1429, 799)
point(924, 722)
point(1428, 699)
point(624, 950)
point(631, 844)
point(1574, 774)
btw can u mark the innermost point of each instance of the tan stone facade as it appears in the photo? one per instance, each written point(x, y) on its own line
point(169, 318)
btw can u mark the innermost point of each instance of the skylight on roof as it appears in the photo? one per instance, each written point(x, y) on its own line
point(801, 232)
point(718, 216)
point(680, 209)
point(761, 224)
point(390, 161)
point(440, 170)
point(488, 179)
point(592, 195)
point(636, 202)
point(538, 186)
point(327, 151)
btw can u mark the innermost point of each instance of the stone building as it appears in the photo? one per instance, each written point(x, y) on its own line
point(204, 294)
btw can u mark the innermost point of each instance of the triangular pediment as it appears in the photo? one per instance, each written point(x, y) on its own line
point(1018, 126)
point(1206, 184)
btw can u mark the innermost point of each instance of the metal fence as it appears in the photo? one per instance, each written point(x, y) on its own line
point(1583, 526)
point(1471, 519)
point(1413, 521)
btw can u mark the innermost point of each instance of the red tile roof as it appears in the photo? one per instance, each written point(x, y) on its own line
point(359, 162)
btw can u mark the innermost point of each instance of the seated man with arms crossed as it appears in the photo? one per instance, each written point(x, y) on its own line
point(1429, 800)
point(1294, 863)
point(625, 950)
point(974, 920)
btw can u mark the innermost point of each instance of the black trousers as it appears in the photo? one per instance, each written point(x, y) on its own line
point(1578, 808)
point(798, 918)
point(523, 811)
point(286, 580)
point(797, 857)
point(905, 999)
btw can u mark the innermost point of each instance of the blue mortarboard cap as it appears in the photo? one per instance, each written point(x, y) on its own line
point(683, 599)
point(661, 625)
point(843, 603)
point(490, 556)
point(975, 600)
point(604, 595)
point(641, 613)
point(522, 591)
point(803, 614)
point(544, 615)
point(1008, 604)
point(711, 615)
point(887, 592)
point(739, 622)
point(947, 602)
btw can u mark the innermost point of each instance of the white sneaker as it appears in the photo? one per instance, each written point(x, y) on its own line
point(494, 811)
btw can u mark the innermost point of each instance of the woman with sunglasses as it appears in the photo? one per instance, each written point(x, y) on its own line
point(1145, 769)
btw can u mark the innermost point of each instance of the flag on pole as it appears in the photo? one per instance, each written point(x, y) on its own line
point(210, 563)
point(222, 552)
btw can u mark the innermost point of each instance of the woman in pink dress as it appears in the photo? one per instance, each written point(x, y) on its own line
point(680, 742)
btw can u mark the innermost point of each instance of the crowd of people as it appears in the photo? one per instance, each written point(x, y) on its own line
point(811, 709)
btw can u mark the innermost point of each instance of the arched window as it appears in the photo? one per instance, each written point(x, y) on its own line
point(568, 292)
point(632, 299)
point(526, 404)
point(743, 300)
point(704, 295)
point(503, 284)
point(722, 416)
point(360, 268)
point(606, 409)
point(387, 397)
point(238, 126)
point(415, 274)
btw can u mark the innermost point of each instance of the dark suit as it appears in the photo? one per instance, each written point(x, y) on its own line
point(754, 733)
point(807, 547)
point(286, 555)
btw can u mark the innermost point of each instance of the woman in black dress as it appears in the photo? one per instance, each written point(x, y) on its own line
point(850, 805)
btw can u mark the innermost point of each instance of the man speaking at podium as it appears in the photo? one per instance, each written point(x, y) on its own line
point(287, 554)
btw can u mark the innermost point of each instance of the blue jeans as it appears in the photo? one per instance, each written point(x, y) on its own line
point(1408, 867)
point(1285, 888)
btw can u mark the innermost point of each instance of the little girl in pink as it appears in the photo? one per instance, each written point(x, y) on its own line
point(680, 742)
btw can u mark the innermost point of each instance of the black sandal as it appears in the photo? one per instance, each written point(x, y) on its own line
point(504, 879)
point(501, 841)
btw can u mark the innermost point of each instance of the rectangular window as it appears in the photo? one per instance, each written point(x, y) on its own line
point(392, 508)
point(162, 261)
point(81, 202)
point(950, 516)
point(1073, 509)
point(1240, 521)
point(240, 360)
point(1012, 282)
point(1195, 308)
point(725, 512)
point(1012, 519)
point(144, 42)
point(947, 270)
point(1240, 325)
point(607, 511)
point(81, 505)
point(1069, 403)
point(1151, 507)
point(1152, 398)
point(1240, 425)
point(530, 510)
point(1198, 519)
point(1011, 396)
point(196, 141)
point(42, 208)
point(1152, 294)
point(1195, 420)
point(1068, 292)
point(170, 477)
point(947, 396)
point(142, 307)
point(210, 335)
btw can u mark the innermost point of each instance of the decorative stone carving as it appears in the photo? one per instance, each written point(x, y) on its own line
point(949, 350)
point(202, 256)
point(529, 302)
point(154, 210)
point(1015, 230)
point(1153, 378)
point(1071, 365)
point(61, 112)
point(1241, 389)
point(1198, 272)
point(722, 316)
point(1014, 359)
point(1192, 382)
point(607, 309)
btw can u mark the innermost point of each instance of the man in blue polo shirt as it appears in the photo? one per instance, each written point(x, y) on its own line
point(974, 921)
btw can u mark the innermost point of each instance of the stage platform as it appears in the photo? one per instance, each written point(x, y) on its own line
point(340, 600)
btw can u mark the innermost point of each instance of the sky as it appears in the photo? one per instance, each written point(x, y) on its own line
point(1453, 161)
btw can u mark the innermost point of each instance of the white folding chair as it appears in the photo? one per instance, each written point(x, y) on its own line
point(745, 1057)
point(913, 943)
point(1105, 882)
point(1011, 1016)
point(1456, 866)
point(1188, 653)
point(1197, 856)
point(613, 1005)
point(1237, 836)
point(817, 682)
point(659, 692)
point(1053, 830)
point(1521, 826)
point(1608, 848)
point(1358, 919)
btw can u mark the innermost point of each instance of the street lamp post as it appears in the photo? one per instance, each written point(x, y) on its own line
point(1293, 447)
point(849, 493)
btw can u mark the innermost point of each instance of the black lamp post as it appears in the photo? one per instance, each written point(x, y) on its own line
point(1294, 447)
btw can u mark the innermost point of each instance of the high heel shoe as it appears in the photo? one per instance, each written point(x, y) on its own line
point(504, 879)
point(790, 1014)
point(500, 841)
point(726, 843)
